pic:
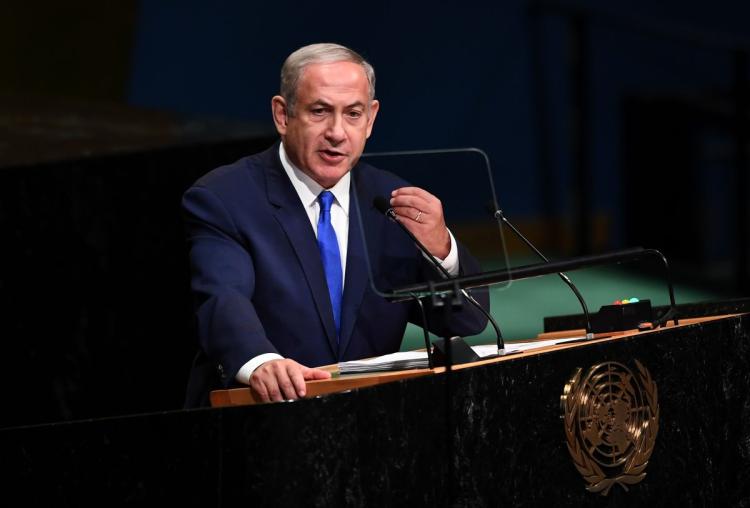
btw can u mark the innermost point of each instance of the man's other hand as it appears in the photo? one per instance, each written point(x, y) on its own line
point(278, 380)
point(422, 214)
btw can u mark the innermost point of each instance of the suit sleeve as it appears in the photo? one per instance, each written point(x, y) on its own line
point(222, 282)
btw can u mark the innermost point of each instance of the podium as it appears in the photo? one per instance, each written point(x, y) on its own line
point(492, 433)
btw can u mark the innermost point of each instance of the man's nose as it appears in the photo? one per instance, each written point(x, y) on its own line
point(335, 132)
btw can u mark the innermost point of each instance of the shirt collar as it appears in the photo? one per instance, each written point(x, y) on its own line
point(308, 189)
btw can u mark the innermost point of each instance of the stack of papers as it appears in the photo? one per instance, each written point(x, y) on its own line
point(418, 359)
point(394, 361)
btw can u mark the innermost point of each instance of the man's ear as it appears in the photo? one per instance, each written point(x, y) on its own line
point(280, 114)
point(374, 108)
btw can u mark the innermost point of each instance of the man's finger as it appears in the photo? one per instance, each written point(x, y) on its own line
point(412, 191)
point(298, 379)
point(411, 213)
point(309, 373)
point(410, 201)
point(286, 387)
point(260, 388)
point(272, 387)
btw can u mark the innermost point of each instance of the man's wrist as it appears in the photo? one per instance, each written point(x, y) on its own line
point(450, 263)
point(243, 375)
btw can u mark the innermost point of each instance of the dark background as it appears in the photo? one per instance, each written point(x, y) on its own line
point(607, 127)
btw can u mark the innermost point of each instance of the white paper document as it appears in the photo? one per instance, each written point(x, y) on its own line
point(418, 359)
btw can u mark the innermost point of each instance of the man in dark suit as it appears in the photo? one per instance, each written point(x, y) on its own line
point(279, 266)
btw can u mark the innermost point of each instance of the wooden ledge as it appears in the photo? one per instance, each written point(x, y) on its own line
point(246, 396)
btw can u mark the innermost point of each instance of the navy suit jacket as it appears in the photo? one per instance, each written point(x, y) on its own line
point(259, 284)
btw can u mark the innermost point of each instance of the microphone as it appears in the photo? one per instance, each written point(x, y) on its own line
point(383, 206)
point(498, 214)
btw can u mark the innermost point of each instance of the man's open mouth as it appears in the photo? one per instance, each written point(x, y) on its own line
point(332, 154)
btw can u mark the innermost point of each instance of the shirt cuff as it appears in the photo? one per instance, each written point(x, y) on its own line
point(450, 263)
point(243, 375)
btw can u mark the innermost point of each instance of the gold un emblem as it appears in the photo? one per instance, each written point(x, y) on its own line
point(611, 421)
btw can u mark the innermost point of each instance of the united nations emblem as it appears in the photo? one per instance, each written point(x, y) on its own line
point(611, 420)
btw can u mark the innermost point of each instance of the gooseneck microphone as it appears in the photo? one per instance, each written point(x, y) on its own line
point(498, 214)
point(384, 207)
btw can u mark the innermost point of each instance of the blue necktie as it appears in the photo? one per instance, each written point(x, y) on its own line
point(329, 253)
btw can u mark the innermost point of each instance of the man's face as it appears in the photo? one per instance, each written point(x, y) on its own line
point(333, 118)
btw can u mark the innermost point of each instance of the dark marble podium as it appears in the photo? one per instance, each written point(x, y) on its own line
point(489, 435)
point(94, 272)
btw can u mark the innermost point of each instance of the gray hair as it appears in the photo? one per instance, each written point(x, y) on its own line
point(295, 64)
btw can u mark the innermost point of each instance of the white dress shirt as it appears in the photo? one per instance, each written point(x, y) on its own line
point(308, 190)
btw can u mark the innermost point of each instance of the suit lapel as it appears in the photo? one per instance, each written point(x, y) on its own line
point(294, 221)
point(357, 267)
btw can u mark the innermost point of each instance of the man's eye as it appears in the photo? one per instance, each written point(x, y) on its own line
point(355, 114)
point(318, 111)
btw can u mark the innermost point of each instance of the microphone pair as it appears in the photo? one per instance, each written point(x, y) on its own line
point(383, 206)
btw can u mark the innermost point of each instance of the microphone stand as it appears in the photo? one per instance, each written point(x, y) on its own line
point(498, 214)
point(426, 334)
point(525, 272)
point(383, 206)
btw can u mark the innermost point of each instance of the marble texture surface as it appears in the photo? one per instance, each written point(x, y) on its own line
point(95, 281)
point(486, 436)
